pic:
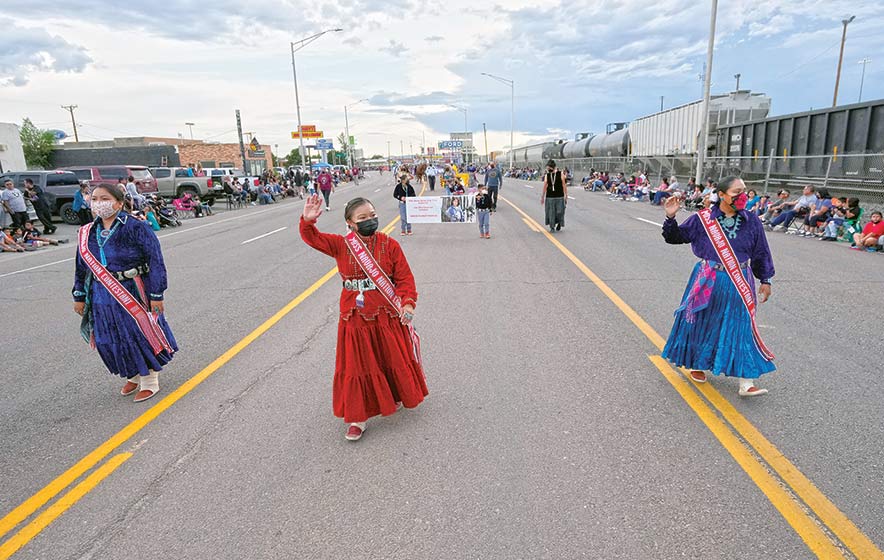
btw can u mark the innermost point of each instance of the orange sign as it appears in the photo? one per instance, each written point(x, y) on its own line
point(306, 134)
point(308, 128)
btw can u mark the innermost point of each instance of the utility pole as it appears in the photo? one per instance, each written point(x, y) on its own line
point(844, 22)
point(707, 83)
point(485, 132)
point(389, 163)
point(242, 146)
point(737, 76)
point(71, 108)
point(401, 149)
point(661, 103)
point(190, 126)
point(862, 78)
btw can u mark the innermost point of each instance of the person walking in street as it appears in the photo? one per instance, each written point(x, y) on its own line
point(326, 186)
point(402, 191)
point(494, 182)
point(81, 204)
point(119, 284)
point(714, 328)
point(554, 197)
point(378, 361)
point(14, 203)
point(484, 204)
point(431, 176)
point(41, 206)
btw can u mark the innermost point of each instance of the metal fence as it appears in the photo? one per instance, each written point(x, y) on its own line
point(859, 175)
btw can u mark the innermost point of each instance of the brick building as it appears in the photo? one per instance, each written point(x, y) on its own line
point(224, 155)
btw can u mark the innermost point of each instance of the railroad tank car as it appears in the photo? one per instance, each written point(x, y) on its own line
point(613, 144)
point(553, 151)
point(579, 147)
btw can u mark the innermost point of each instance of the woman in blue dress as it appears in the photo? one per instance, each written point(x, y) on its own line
point(133, 340)
point(713, 330)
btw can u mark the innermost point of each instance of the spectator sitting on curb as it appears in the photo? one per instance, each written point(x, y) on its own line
point(870, 235)
point(838, 217)
point(7, 243)
point(818, 214)
point(777, 207)
point(30, 234)
point(798, 208)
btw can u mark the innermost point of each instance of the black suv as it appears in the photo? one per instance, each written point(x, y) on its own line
point(59, 187)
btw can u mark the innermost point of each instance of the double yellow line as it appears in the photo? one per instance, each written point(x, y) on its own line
point(50, 514)
point(791, 493)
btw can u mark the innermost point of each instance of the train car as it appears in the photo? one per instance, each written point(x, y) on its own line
point(615, 143)
point(525, 155)
point(676, 131)
point(579, 147)
point(554, 151)
point(847, 129)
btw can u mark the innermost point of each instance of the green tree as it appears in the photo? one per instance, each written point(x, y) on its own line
point(37, 145)
point(293, 157)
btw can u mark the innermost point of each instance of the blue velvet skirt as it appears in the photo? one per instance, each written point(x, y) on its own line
point(119, 342)
point(719, 337)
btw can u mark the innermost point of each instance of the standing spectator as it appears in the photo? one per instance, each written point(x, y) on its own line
point(554, 197)
point(133, 194)
point(431, 176)
point(402, 191)
point(41, 205)
point(868, 238)
point(327, 186)
point(494, 182)
point(81, 204)
point(14, 203)
point(484, 204)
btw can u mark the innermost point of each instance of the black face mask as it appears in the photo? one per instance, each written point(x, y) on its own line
point(367, 227)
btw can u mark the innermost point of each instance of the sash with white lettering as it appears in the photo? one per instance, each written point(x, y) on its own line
point(145, 321)
point(373, 270)
point(731, 265)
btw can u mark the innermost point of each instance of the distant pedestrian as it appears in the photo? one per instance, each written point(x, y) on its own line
point(41, 206)
point(431, 176)
point(484, 207)
point(403, 191)
point(494, 182)
point(554, 197)
point(119, 287)
point(81, 204)
point(378, 361)
point(14, 203)
point(326, 186)
point(714, 328)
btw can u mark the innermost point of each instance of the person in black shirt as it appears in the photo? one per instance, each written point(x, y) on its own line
point(554, 197)
point(41, 205)
point(484, 205)
point(402, 191)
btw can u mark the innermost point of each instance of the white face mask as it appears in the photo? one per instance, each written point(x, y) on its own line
point(104, 209)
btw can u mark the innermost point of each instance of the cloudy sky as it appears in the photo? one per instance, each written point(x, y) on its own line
point(149, 67)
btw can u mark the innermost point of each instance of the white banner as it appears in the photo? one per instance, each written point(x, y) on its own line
point(441, 209)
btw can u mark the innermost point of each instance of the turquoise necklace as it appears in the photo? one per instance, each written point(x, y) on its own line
point(730, 225)
point(102, 238)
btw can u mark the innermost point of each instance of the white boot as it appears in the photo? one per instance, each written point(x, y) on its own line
point(149, 386)
point(748, 388)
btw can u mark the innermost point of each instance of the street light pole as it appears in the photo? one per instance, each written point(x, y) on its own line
point(190, 126)
point(300, 45)
point(844, 22)
point(347, 129)
point(512, 85)
point(862, 78)
point(707, 83)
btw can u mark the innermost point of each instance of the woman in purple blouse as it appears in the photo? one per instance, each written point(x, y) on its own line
point(713, 330)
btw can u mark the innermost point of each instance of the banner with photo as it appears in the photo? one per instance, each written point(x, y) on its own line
point(441, 209)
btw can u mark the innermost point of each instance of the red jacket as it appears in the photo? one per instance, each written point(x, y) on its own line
point(386, 251)
point(875, 229)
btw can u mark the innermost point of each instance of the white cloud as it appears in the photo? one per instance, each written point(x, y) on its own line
point(25, 51)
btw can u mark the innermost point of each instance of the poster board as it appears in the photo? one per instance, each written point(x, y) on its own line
point(451, 209)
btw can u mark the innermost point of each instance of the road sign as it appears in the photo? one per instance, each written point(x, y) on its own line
point(449, 144)
point(254, 145)
point(431, 150)
point(325, 144)
point(308, 127)
point(306, 134)
point(352, 140)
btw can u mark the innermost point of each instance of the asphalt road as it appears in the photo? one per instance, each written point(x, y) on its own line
point(548, 433)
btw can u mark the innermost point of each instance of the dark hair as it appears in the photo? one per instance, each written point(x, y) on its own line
point(878, 213)
point(112, 189)
point(353, 205)
point(725, 184)
point(824, 193)
point(29, 180)
point(551, 163)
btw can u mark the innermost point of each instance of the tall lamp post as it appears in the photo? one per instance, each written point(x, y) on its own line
point(707, 84)
point(296, 46)
point(862, 78)
point(512, 85)
point(844, 22)
point(190, 126)
point(465, 125)
point(347, 129)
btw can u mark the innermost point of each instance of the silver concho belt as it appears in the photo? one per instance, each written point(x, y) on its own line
point(363, 285)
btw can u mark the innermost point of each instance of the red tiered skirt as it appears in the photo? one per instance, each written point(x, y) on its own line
point(375, 368)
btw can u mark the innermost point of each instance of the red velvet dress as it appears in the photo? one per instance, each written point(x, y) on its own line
point(375, 365)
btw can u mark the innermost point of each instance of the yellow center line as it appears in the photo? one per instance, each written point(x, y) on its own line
point(51, 513)
point(840, 525)
point(36, 501)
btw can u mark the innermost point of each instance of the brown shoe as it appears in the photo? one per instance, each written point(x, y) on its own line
point(698, 376)
point(129, 388)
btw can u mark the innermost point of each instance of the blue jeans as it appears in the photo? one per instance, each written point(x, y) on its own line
point(403, 218)
point(786, 217)
point(484, 221)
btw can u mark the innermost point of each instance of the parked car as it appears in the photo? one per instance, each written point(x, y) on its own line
point(173, 182)
point(59, 187)
point(218, 173)
point(98, 174)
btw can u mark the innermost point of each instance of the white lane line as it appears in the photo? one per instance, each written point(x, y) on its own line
point(528, 186)
point(35, 267)
point(186, 230)
point(264, 235)
point(572, 198)
point(377, 189)
point(648, 222)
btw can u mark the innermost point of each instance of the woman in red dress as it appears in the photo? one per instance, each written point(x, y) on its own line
point(377, 367)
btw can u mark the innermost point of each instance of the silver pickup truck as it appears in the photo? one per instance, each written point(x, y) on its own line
point(173, 182)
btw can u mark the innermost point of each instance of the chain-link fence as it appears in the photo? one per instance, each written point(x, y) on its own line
point(843, 175)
